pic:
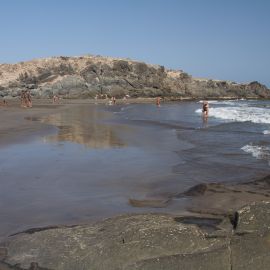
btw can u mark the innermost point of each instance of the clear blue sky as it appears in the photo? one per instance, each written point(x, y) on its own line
point(227, 39)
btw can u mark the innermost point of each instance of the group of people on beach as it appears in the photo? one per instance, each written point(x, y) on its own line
point(26, 99)
point(111, 100)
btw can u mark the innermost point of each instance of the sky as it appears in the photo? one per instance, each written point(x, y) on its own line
point(218, 39)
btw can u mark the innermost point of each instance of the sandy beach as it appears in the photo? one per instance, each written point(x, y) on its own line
point(41, 145)
point(16, 125)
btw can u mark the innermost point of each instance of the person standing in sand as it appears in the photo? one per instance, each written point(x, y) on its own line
point(29, 99)
point(56, 99)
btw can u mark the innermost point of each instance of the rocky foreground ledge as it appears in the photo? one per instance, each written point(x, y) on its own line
point(147, 241)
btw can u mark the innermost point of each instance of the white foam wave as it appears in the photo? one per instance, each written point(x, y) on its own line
point(260, 152)
point(209, 101)
point(240, 114)
point(224, 102)
point(266, 132)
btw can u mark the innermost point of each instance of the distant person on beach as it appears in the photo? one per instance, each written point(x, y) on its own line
point(158, 99)
point(29, 99)
point(205, 108)
point(126, 97)
point(96, 98)
point(56, 99)
point(26, 99)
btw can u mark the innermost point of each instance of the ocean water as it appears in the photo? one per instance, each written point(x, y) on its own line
point(233, 128)
point(102, 156)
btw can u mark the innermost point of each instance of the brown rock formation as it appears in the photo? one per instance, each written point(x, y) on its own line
point(84, 77)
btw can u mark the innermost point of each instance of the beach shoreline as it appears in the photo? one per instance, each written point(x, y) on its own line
point(19, 125)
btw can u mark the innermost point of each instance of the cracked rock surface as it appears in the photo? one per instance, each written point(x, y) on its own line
point(147, 241)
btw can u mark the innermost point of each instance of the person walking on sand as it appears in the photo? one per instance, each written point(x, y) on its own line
point(29, 99)
point(205, 108)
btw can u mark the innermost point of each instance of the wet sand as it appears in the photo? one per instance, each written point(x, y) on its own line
point(15, 125)
point(57, 170)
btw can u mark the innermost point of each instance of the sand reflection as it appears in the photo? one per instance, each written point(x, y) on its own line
point(85, 126)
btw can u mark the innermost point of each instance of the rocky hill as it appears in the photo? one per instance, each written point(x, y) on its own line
point(84, 77)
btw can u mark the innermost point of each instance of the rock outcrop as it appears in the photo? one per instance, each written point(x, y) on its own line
point(87, 76)
point(147, 241)
point(220, 198)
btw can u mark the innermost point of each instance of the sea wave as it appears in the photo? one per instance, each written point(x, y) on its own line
point(240, 114)
point(259, 152)
point(231, 102)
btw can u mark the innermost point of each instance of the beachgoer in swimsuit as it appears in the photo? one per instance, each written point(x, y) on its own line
point(158, 101)
point(205, 108)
